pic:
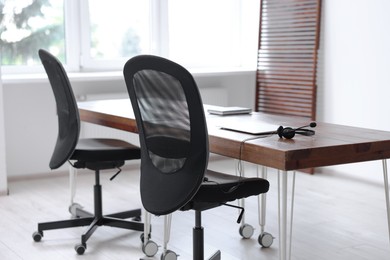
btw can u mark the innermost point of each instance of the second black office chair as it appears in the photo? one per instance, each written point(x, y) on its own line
point(94, 153)
point(174, 146)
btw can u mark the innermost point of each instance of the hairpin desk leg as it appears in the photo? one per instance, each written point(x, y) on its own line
point(285, 241)
point(386, 182)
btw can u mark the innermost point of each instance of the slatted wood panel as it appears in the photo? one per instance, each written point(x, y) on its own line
point(287, 57)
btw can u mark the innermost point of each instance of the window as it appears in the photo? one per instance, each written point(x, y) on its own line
point(113, 34)
point(196, 41)
point(95, 35)
point(26, 26)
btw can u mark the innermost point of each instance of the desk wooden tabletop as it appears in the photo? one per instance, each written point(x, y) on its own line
point(332, 144)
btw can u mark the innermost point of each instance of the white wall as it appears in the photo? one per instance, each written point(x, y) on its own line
point(3, 172)
point(355, 83)
point(356, 46)
point(31, 122)
point(354, 69)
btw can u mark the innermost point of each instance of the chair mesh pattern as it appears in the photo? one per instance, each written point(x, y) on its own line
point(165, 117)
point(172, 130)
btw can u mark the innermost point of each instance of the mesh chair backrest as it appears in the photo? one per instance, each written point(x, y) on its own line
point(67, 111)
point(172, 129)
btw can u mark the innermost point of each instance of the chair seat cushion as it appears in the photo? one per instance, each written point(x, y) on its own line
point(221, 188)
point(105, 149)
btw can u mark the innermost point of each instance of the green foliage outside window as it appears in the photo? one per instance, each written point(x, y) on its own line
point(26, 26)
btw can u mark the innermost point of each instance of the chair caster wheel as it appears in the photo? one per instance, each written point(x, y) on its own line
point(73, 209)
point(80, 248)
point(246, 231)
point(265, 239)
point(150, 248)
point(37, 236)
point(169, 255)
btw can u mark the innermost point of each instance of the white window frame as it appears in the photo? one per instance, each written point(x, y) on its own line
point(77, 39)
point(87, 64)
point(73, 32)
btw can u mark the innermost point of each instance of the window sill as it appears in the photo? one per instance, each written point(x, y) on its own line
point(112, 75)
point(73, 76)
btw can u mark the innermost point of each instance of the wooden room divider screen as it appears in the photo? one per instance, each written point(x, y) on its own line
point(287, 57)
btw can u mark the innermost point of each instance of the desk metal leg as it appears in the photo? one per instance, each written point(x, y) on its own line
point(386, 182)
point(285, 241)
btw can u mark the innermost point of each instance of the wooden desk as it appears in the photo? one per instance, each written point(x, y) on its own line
point(332, 144)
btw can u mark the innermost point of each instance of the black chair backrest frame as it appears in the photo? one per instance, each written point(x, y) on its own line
point(67, 111)
point(172, 130)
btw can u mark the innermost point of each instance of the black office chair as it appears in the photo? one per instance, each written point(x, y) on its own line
point(174, 146)
point(94, 154)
